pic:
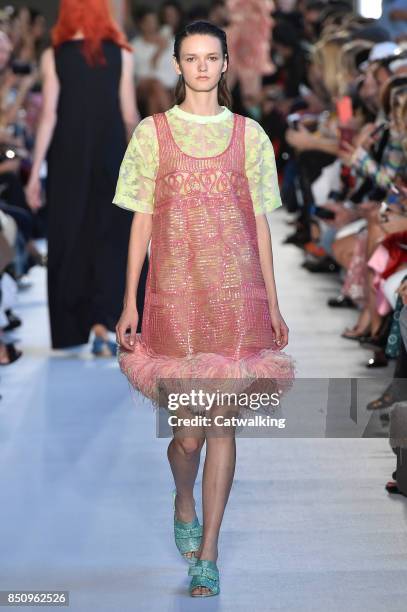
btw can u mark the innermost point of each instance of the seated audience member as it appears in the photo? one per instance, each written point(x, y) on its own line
point(155, 77)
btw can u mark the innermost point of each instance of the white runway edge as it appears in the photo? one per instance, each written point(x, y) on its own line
point(86, 487)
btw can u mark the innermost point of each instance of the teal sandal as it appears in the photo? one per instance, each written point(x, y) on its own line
point(102, 347)
point(188, 536)
point(204, 573)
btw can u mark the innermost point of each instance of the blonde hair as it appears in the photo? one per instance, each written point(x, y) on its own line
point(327, 55)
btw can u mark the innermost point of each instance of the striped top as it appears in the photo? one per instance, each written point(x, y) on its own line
point(382, 173)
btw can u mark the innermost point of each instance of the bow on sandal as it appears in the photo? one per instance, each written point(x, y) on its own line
point(188, 536)
point(205, 574)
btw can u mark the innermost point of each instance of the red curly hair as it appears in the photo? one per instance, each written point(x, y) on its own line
point(94, 19)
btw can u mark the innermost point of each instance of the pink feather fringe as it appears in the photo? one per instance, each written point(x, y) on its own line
point(144, 369)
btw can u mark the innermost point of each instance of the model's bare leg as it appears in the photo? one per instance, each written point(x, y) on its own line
point(184, 453)
point(219, 469)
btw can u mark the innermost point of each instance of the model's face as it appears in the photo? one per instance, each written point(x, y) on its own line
point(201, 62)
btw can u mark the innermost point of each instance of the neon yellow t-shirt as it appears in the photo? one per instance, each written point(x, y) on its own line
point(199, 136)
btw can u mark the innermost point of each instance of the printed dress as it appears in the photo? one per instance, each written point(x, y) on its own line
point(206, 313)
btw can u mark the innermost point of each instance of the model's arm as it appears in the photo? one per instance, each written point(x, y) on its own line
point(127, 94)
point(266, 261)
point(140, 235)
point(46, 125)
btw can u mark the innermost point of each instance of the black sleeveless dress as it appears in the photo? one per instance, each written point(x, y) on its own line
point(88, 235)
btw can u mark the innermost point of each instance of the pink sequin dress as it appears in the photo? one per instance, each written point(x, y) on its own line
point(206, 312)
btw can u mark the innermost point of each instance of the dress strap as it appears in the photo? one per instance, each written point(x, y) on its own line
point(238, 146)
point(168, 147)
point(164, 136)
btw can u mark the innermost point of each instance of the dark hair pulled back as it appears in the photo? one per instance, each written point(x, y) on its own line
point(202, 27)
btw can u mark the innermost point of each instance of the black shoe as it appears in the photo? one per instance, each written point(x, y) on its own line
point(364, 338)
point(379, 340)
point(324, 264)
point(341, 301)
point(373, 343)
point(392, 487)
point(379, 360)
point(37, 259)
point(299, 238)
point(13, 321)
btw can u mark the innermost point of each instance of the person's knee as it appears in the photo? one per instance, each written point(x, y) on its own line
point(190, 445)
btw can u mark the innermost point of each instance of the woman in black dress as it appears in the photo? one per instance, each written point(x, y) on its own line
point(89, 114)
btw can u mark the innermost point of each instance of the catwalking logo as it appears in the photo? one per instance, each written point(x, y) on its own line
point(222, 421)
point(203, 400)
point(203, 421)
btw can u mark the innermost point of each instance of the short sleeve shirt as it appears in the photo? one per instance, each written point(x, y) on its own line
point(199, 136)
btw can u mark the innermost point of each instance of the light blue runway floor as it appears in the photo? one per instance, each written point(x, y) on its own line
point(86, 502)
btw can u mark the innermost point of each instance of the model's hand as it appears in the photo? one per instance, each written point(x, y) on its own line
point(127, 321)
point(280, 328)
point(33, 193)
